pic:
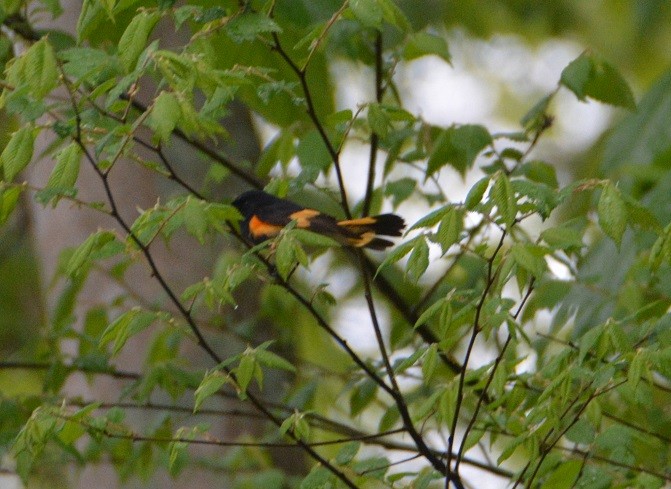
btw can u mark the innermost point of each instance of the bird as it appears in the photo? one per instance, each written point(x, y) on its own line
point(265, 215)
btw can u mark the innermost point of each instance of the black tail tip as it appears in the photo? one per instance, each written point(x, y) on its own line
point(389, 225)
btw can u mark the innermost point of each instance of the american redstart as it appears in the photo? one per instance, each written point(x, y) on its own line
point(265, 215)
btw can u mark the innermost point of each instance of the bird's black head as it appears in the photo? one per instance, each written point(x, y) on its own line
point(248, 202)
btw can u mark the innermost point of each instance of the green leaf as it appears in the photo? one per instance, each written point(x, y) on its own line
point(400, 190)
point(418, 261)
point(270, 359)
point(195, 218)
point(431, 360)
point(82, 254)
point(399, 252)
point(313, 153)
point(502, 195)
point(134, 39)
point(247, 26)
point(394, 15)
point(424, 44)
point(128, 324)
point(431, 311)
point(431, 219)
point(450, 228)
point(164, 115)
point(475, 194)
point(9, 197)
point(590, 76)
point(541, 172)
point(362, 395)
point(405, 363)
point(563, 238)
point(368, 12)
point(318, 478)
point(41, 68)
point(286, 255)
point(347, 452)
point(530, 257)
point(612, 212)
point(458, 146)
point(18, 152)
point(564, 476)
point(640, 140)
point(378, 120)
point(245, 372)
point(64, 175)
point(310, 238)
point(211, 383)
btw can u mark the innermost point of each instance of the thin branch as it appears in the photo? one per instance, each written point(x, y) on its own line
point(312, 114)
point(242, 174)
point(469, 350)
point(186, 314)
point(374, 138)
point(483, 393)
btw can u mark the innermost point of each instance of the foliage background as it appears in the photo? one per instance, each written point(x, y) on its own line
point(101, 369)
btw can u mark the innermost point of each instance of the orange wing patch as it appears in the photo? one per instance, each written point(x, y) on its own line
point(362, 240)
point(259, 229)
point(303, 217)
point(364, 221)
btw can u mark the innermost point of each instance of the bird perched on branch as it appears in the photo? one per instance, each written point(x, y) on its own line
point(265, 215)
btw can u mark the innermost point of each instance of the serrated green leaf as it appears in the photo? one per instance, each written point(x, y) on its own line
point(128, 324)
point(211, 383)
point(418, 261)
point(502, 195)
point(590, 76)
point(285, 256)
point(450, 228)
point(18, 152)
point(429, 363)
point(424, 44)
point(41, 68)
point(164, 115)
point(612, 212)
point(458, 146)
point(247, 26)
point(195, 218)
point(134, 39)
point(244, 373)
point(83, 252)
point(66, 171)
point(431, 219)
